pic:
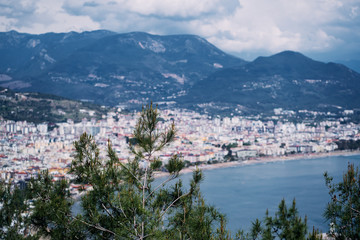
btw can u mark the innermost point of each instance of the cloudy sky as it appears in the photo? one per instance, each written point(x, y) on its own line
point(322, 29)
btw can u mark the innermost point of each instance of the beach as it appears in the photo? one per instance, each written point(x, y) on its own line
point(259, 160)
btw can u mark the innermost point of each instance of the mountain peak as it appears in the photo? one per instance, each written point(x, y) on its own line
point(289, 53)
point(286, 61)
point(285, 57)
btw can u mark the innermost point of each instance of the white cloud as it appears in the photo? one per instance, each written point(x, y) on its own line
point(237, 26)
point(39, 16)
point(354, 12)
point(6, 24)
point(160, 9)
point(274, 26)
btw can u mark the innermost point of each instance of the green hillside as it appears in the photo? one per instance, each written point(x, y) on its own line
point(37, 107)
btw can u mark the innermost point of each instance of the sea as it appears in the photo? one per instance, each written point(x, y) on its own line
point(244, 193)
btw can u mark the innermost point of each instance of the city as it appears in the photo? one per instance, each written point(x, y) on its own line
point(201, 139)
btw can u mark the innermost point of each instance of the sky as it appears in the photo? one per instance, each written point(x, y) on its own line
point(326, 30)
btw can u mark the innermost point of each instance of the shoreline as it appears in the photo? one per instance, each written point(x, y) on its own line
point(259, 160)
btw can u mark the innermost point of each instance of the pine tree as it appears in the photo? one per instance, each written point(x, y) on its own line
point(14, 214)
point(125, 203)
point(286, 224)
point(51, 214)
point(343, 211)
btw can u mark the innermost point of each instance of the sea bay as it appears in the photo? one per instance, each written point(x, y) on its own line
point(244, 193)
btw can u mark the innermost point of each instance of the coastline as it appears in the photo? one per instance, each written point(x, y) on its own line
point(259, 160)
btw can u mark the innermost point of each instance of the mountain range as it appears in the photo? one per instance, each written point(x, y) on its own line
point(132, 69)
point(286, 80)
point(109, 68)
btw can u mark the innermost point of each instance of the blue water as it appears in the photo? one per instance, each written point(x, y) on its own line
point(244, 193)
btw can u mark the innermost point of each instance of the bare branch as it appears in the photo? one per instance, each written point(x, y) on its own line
point(108, 212)
point(121, 208)
point(123, 165)
point(171, 177)
point(184, 195)
point(353, 209)
point(92, 225)
point(135, 226)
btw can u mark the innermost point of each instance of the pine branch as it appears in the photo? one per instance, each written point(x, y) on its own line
point(108, 212)
point(121, 208)
point(184, 195)
point(171, 177)
point(123, 165)
point(135, 225)
point(351, 208)
point(92, 225)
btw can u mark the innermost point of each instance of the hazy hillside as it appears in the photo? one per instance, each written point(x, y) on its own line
point(287, 80)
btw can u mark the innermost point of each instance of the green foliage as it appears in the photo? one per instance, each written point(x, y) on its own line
point(13, 212)
point(86, 165)
point(231, 145)
point(315, 235)
point(51, 213)
point(286, 224)
point(174, 165)
point(348, 144)
point(343, 211)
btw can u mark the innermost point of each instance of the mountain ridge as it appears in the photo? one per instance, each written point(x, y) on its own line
point(285, 80)
point(116, 67)
point(134, 68)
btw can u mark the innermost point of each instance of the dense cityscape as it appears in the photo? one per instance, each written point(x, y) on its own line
point(28, 148)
